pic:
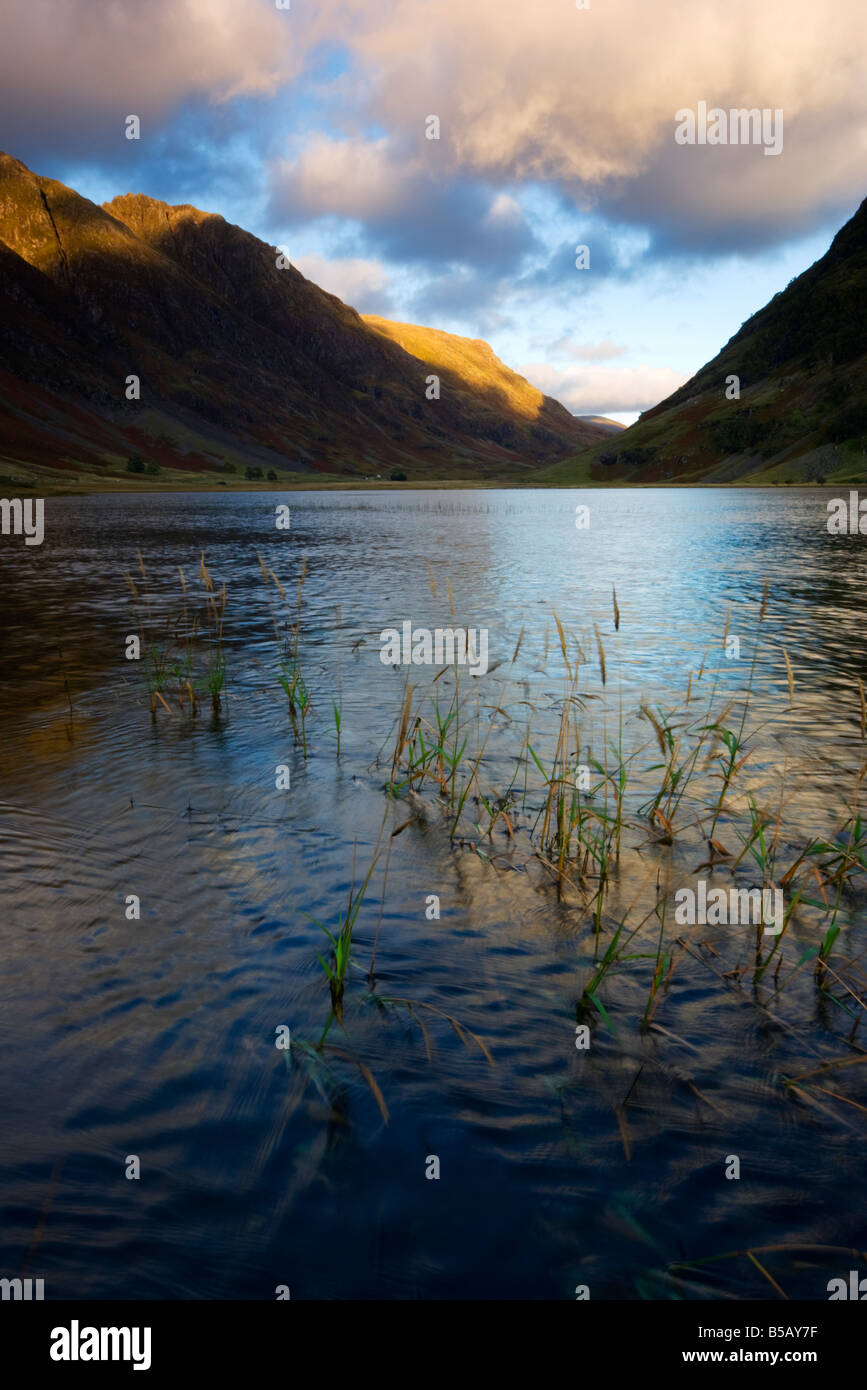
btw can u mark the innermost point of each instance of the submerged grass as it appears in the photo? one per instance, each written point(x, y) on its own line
point(182, 646)
point(336, 970)
point(587, 793)
point(576, 813)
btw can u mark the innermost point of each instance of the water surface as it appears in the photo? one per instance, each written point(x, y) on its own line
point(156, 1037)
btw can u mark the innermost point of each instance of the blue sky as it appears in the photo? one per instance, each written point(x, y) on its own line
point(557, 128)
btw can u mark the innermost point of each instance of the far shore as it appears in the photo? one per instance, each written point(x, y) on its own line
point(46, 486)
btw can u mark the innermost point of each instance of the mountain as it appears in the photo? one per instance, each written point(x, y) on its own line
point(609, 426)
point(472, 367)
point(801, 362)
point(241, 364)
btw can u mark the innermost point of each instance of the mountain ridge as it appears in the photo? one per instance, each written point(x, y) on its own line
point(799, 365)
point(240, 364)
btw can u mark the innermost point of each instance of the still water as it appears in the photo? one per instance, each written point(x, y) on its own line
point(156, 1037)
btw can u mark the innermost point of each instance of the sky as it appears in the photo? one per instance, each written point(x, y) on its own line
point(557, 128)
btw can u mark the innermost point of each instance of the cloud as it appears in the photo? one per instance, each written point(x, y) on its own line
point(586, 352)
point(586, 100)
point(603, 390)
point(340, 178)
point(582, 101)
point(461, 297)
point(408, 209)
point(601, 253)
point(703, 201)
point(364, 284)
point(72, 70)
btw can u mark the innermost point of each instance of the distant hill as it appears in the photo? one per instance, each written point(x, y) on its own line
point(241, 364)
point(473, 367)
point(802, 413)
point(603, 423)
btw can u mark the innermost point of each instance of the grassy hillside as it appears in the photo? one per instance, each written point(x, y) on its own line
point(244, 366)
point(802, 413)
point(472, 363)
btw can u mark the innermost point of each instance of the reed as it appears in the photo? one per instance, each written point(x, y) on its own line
point(336, 966)
point(298, 695)
point(578, 833)
point(660, 778)
point(184, 651)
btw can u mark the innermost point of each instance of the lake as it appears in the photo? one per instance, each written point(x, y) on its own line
point(560, 1166)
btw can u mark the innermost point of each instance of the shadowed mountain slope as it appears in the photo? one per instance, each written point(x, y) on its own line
point(801, 365)
point(240, 363)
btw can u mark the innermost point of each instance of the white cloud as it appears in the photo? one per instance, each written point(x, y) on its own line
point(343, 178)
point(504, 209)
point(78, 57)
point(587, 99)
point(364, 284)
point(586, 352)
point(604, 390)
point(583, 99)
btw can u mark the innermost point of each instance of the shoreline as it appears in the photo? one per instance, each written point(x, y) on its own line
point(186, 485)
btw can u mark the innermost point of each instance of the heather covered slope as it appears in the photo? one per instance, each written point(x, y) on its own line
point(802, 413)
point(241, 363)
point(473, 368)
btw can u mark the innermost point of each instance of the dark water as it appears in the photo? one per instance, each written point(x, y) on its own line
point(156, 1037)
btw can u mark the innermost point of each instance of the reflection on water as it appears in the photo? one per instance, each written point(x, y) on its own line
point(155, 1037)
